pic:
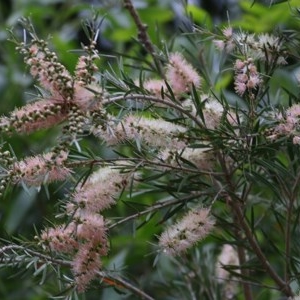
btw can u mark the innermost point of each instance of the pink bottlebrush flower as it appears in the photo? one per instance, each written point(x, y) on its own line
point(61, 239)
point(91, 228)
point(181, 75)
point(296, 140)
point(246, 77)
point(192, 228)
point(110, 132)
point(86, 238)
point(37, 115)
point(86, 264)
point(253, 81)
point(219, 44)
point(227, 257)
point(153, 132)
point(155, 86)
point(242, 78)
point(289, 124)
point(87, 98)
point(227, 32)
point(293, 114)
point(99, 191)
point(35, 170)
point(212, 113)
point(240, 88)
point(85, 68)
point(227, 43)
point(239, 65)
point(202, 158)
point(282, 129)
point(51, 74)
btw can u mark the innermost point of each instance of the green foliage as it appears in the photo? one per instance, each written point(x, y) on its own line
point(264, 182)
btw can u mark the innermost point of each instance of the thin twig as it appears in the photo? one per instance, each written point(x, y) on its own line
point(157, 100)
point(143, 162)
point(143, 36)
point(155, 207)
point(117, 280)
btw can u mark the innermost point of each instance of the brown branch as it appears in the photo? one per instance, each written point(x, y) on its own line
point(284, 287)
point(239, 217)
point(242, 260)
point(125, 284)
point(143, 36)
point(290, 208)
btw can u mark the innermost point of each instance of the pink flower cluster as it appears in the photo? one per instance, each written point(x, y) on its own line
point(99, 191)
point(246, 76)
point(192, 228)
point(180, 75)
point(228, 43)
point(288, 124)
point(39, 169)
point(264, 47)
point(64, 91)
point(153, 132)
point(85, 237)
point(202, 158)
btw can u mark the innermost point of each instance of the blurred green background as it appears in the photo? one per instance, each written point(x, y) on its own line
point(23, 211)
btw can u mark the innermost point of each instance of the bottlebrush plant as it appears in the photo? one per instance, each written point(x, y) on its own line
point(219, 165)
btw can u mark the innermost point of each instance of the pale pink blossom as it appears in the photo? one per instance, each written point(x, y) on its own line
point(227, 258)
point(270, 48)
point(227, 32)
point(85, 238)
point(212, 113)
point(41, 114)
point(50, 73)
point(293, 114)
point(155, 87)
point(296, 140)
point(181, 75)
point(192, 228)
point(86, 264)
point(219, 44)
point(153, 132)
point(246, 77)
point(99, 191)
point(92, 228)
point(87, 98)
point(39, 169)
point(240, 88)
point(288, 125)
point(202, 158)
point(61, 239)
point(239, 65)
point(227, 43)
